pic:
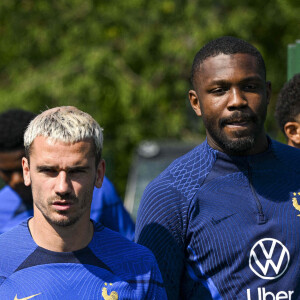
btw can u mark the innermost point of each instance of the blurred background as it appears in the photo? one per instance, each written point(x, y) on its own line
point(127, 63)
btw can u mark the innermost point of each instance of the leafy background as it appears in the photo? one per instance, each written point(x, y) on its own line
point(127, 63)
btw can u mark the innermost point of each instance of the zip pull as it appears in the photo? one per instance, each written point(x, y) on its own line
point(261, 218)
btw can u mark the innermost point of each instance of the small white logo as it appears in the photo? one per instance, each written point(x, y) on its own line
point(269, 258)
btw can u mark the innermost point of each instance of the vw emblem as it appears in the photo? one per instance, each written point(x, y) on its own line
point(269, 258)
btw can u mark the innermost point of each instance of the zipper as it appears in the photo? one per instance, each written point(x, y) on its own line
point(261, 217)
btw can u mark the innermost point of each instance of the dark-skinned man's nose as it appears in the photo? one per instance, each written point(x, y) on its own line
point(236, 99)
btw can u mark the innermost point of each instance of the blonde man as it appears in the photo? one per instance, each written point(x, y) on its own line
point(60, 253)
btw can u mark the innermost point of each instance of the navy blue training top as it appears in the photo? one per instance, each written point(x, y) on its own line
point(110, 268)
point(226, 227)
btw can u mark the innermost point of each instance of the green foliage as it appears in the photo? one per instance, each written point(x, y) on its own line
point(127, 63)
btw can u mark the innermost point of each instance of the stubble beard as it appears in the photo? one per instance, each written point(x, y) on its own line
point(240, 144)
point(69, 219)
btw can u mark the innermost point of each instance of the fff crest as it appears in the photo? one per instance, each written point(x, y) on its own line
point(295, 201)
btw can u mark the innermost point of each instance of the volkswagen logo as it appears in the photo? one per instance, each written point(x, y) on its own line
point(269, 258)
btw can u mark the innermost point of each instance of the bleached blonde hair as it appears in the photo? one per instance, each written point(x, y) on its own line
point(67, 124)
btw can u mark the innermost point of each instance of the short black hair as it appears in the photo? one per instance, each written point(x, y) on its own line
point(225, 45)
point(288, 102)
point(13, 124)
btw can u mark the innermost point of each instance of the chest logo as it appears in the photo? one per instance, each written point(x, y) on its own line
point(26, 298)
point(112, 296)
point(295, 201)
point(269, 258)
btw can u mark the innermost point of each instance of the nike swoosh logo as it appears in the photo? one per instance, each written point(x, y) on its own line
point(216, 222)
point(26, 298)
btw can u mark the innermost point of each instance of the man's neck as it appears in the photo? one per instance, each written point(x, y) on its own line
point(59, 238)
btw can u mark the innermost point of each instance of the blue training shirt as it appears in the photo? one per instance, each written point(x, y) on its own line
point(226, 227)
point(13, 211)
point(111, 268)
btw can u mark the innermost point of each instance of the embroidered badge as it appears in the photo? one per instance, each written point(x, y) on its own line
point(112, 296)
point(295, 202)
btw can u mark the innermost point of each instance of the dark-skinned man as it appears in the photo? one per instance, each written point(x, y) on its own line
point(223, 220)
